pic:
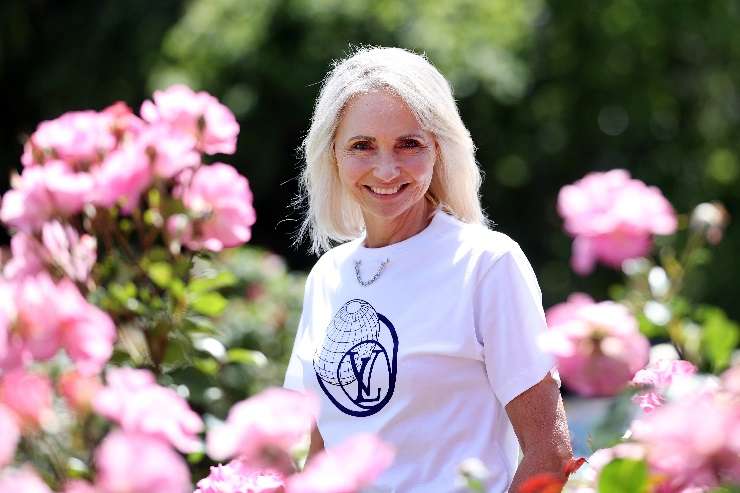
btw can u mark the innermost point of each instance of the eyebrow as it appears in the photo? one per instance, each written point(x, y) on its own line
point(372, 139)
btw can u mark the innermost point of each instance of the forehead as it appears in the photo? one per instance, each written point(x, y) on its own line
point(378, 112)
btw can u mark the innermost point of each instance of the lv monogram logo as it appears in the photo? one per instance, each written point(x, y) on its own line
point(363, 382)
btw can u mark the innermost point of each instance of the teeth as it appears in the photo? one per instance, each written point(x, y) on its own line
point(385, 191)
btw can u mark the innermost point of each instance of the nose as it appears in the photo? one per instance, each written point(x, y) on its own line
point(386, 168)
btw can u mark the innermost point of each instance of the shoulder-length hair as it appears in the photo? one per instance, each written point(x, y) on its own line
point(332, 214)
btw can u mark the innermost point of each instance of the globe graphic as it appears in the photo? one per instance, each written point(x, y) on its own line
point(355, 322)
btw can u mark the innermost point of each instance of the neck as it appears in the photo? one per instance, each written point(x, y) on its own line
point(383, 231)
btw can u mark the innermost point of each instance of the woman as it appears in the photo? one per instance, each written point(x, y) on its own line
point(422, 325)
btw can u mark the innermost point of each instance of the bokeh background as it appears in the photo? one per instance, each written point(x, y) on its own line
point(550, 90)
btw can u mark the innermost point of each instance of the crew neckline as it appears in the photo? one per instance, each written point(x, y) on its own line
point(400, 246)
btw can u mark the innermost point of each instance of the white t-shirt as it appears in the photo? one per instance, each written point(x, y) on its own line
point(428, 355)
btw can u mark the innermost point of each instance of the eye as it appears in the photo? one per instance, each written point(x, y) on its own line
point(409, 143)
point(361, 145)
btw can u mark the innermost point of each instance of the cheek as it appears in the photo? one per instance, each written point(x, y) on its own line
point(420, 167)
point(352, 169)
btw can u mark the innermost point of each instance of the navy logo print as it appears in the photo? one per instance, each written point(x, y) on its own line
point(356, 366)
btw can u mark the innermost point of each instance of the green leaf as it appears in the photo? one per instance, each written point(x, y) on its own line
point(246, 357)
point(209, 366)
point(624, 476)
point(720, 336)
point(220, 280)
point(210, 304)
point(160, 273)
point(122, 293)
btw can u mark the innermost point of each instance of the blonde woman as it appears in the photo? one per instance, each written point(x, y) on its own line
point(421, 325)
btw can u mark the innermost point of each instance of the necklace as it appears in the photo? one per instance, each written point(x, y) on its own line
point(375, 276)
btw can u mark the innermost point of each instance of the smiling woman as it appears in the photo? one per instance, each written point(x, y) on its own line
point(385, 160)
point(420, 327)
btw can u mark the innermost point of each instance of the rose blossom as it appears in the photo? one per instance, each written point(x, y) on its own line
point(51, 316)
point(195, 114)
point(346, 468)
point(79, 486)
point(24, 480)
point(274, 418)
point(37, 322)
point(139, 463)
point(122, 178)
point(43, 192)
point(78, 138)
point(133, 399)
point(27, 257)
point(655, 378)
point(75, 255)
point(236, 477)
point(27, 395)
point(597, 345)
point(220, 200)
point(79, 390)
point(87, 332)
point(169, 152)
point(9, 436)
point(692, 442)
point(612, 218)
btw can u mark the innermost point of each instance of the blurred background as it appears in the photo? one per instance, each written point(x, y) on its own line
point(549, 90)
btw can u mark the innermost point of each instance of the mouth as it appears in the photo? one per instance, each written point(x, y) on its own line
point(387, 191)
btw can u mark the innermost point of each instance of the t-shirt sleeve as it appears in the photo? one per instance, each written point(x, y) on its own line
point(509, 318)
point(294, 373)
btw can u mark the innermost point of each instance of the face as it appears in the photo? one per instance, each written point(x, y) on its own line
point(385, 158)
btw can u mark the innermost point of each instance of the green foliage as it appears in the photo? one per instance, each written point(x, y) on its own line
point(720, 336)
point(624, 476)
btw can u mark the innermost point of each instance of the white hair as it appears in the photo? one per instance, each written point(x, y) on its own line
point(332, 214)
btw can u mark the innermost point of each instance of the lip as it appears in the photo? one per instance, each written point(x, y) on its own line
point(401, 189)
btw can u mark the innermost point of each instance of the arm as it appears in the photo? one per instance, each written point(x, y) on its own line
point(539, 421)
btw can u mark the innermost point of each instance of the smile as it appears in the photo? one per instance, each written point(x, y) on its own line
point(386, 190)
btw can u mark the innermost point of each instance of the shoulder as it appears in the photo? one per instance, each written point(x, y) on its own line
point(484, 245)
point(332, 258)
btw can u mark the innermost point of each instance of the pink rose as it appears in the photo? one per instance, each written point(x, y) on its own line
point(731, 380)
point(169, 152)
point(10, 433)
point(79, 486)
point(79, 390)
point(122, 178)
point(273, 419)
point(195, 114)
point(24, 480)
point(139, 463)
point(613, 218)
point(79, 138)
point(597, 345)
point(75, 255)
point(87, 332)
point(220, 201)
point(692, 442)
point(352, 465)
point(655, 378)
point(37, 323)
point(27, 257)
point(235, 477)
point(134, 400)
point(28, 396)
point(42, 192)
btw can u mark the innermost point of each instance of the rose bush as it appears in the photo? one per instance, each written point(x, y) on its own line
point(681, 433)
point(115, 337)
